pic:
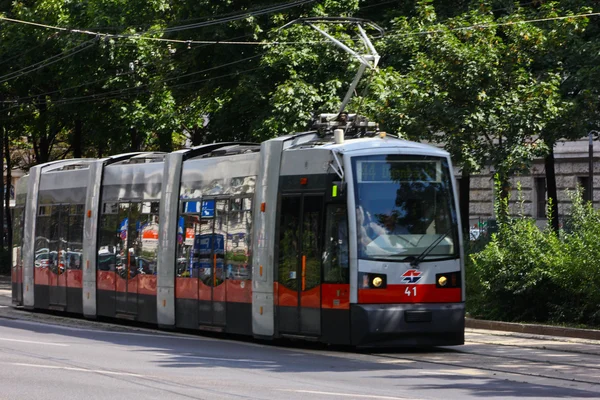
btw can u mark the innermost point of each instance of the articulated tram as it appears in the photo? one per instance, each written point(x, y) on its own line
point(351, 241)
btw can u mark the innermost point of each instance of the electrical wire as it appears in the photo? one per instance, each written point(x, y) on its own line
point(63, 102)
point(263, 43)
point(26, 98)
point(149, 38)
point(27, 51)
point(236, 17)
point(49, 61)
point(494, 25)
point(206, 17)
point(100, 96)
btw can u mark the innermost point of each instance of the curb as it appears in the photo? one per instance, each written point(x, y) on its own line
point(590, 334)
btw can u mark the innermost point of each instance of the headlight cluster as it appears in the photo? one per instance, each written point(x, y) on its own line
point(372, 281)
point(447, 280)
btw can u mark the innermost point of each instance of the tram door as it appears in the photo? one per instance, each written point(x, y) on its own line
point(126, 290)
point(59, 232)
point(17, 255)
point(211, 245)
point(299, 270)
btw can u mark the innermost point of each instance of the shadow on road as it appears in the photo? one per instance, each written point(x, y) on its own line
point(194, 351)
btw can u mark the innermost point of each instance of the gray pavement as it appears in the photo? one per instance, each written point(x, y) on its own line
point(48, 356)
point(49, 361)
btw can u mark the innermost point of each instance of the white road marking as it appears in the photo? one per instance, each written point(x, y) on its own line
point(34, 342)
point(3, 306)
point(246, 360)
point(398, 361)
point(95, 371)
point(353, 395)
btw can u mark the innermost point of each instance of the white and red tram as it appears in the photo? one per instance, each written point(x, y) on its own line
point(353, 241)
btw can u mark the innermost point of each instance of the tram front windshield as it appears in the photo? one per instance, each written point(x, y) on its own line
point(404, 207)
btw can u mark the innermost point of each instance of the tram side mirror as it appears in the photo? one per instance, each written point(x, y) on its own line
point(337, 191)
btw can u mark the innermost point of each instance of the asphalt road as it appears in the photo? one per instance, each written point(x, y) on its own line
point(48, 357)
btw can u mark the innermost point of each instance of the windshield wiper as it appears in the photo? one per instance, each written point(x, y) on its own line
point(415, 261)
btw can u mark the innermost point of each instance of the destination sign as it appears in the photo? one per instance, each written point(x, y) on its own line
point(398, 171)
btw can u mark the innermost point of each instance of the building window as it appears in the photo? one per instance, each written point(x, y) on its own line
point(584, 182)
point(540, 197)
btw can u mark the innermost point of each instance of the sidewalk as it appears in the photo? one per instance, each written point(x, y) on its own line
point(534, 329)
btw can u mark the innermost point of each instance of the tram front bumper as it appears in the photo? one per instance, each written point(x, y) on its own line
point(398, 325)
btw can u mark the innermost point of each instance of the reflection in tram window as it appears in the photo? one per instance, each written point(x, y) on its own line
point(216, 247)
point(108, 237)
point(148, 226)
point(54, 238)
point(311, 230)
point(238, 241)
point(289, 244)
point(335, 254)
point(128, 264)
point(75, 237)
point(42, 242)
point(187, 259)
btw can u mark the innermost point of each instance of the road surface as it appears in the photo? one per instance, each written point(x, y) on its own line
point(49, 357)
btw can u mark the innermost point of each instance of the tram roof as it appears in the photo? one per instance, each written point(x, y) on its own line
point(312, 140)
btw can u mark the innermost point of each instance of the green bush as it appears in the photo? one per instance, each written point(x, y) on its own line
point(529, 274)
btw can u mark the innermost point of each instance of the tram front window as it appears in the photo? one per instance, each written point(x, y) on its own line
point(404, 207)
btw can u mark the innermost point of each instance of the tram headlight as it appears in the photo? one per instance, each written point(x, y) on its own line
point(372, 281)
point(448, 280)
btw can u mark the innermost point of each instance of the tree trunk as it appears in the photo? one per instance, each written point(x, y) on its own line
point(165, 141)
point(551, 188)
point(503, 197)
point(8, 195)
point(76, 144)
point(135, 140)
point(101, 147)
point(464, 201)
point(196, 136)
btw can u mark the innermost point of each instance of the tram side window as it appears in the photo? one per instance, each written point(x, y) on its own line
point(188, 227)
point(42, 237)
point(17, 234)
point(75, 237)
point(54, 238)
point(335, 255)
point(238, 244)
point(148, 225)
point(108, 238)
point(289, 246)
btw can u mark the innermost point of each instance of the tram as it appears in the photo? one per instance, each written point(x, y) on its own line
point(344, 236)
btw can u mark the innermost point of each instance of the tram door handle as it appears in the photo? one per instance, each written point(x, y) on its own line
point(303, 273)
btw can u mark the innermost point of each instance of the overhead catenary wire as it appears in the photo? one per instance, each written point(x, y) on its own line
point(138, 90)
point(84, 84)
point(243, 14)
point(135, 91)
point(101, 96)
point(264, 42)
point(48, 61)
point(494, 25)
point(475, 26)
point(29, 50)
point(239, 16)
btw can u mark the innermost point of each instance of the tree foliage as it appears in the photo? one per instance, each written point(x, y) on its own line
point(466, 74)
